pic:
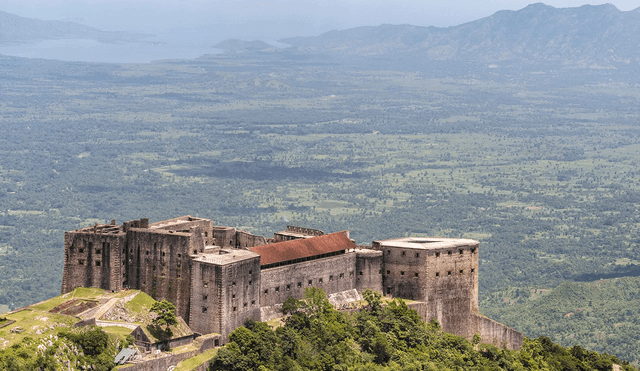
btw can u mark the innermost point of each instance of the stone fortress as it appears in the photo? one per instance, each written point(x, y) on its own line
point(219, 276)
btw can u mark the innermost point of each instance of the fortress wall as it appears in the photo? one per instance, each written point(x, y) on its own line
point(405, 273)
point(421, 308)
point(161, 363)
point(245, 240)
point(224, 296)
point(158, 264)
point(224, 236)
point(452, 288)
point(92, 260)
point(206, 314)
point(332, 274)
point(205, 225)
point(241, 294)
point(369, 266)
point(496, 333)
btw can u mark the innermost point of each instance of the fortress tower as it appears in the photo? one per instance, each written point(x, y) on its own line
point(441, 272)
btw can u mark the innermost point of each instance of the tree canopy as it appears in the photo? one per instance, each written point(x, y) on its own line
point(315, 336)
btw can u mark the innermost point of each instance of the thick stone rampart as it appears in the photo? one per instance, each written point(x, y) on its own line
point(158, 264)
point(369, 267)
point(224, 236)
point(492, 332)
point(245, 240)
point(92, 259)
point(332, 274)
point(164, 362)
point(225, 291)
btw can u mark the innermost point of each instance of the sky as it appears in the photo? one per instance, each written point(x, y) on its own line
point(270, 19)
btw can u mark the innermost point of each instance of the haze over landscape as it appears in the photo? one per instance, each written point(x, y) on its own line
point(510, 123)
point(190, 28)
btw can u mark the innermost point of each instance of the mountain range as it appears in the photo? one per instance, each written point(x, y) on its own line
point(15, 30)
point(590, 36)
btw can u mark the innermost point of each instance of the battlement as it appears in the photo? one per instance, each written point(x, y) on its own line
point(294, 232)
point(304, 231)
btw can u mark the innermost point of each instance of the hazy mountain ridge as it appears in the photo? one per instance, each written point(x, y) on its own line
point(240, 46)
point(587, 35)
point(15, 29)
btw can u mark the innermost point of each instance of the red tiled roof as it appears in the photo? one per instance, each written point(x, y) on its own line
point(302, 248)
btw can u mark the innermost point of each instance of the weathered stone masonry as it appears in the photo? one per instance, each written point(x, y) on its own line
point(219, 276)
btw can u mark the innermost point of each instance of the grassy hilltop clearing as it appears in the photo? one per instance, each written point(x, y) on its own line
point(43, 335)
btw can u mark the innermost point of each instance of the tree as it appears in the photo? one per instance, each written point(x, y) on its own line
point(165, 313)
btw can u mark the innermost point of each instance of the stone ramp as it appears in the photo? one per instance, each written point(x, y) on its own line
point(344, 298)
point(340, 300)
point(104, 306)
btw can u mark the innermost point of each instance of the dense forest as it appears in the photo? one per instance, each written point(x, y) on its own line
point(539, 165)
point(596, 315)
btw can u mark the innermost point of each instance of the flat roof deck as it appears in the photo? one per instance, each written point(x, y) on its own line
point(175, 222)
point(224, 256)
point(427, 243)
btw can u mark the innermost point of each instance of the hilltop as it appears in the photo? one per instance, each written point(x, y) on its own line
point(239, 46)
point(124, 319)
point(15, 29)
point(584, 36)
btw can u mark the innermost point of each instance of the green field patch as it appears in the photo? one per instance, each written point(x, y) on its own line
point(169, 134)
point(476, 235)
point(552, 257)
point(331, 205)
point(25, 212)
point(4, 248)
point(626, 261)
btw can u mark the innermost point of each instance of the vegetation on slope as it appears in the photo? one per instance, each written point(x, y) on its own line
point(600, 316)
point(88, 348)
point(36, 338)
point(315, 336)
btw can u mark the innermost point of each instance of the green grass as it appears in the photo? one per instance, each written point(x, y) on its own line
point(125, 293)
point(141, 303)
point(35, 324)
point(91, 293)
point(193, 362)
point(117, 330)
